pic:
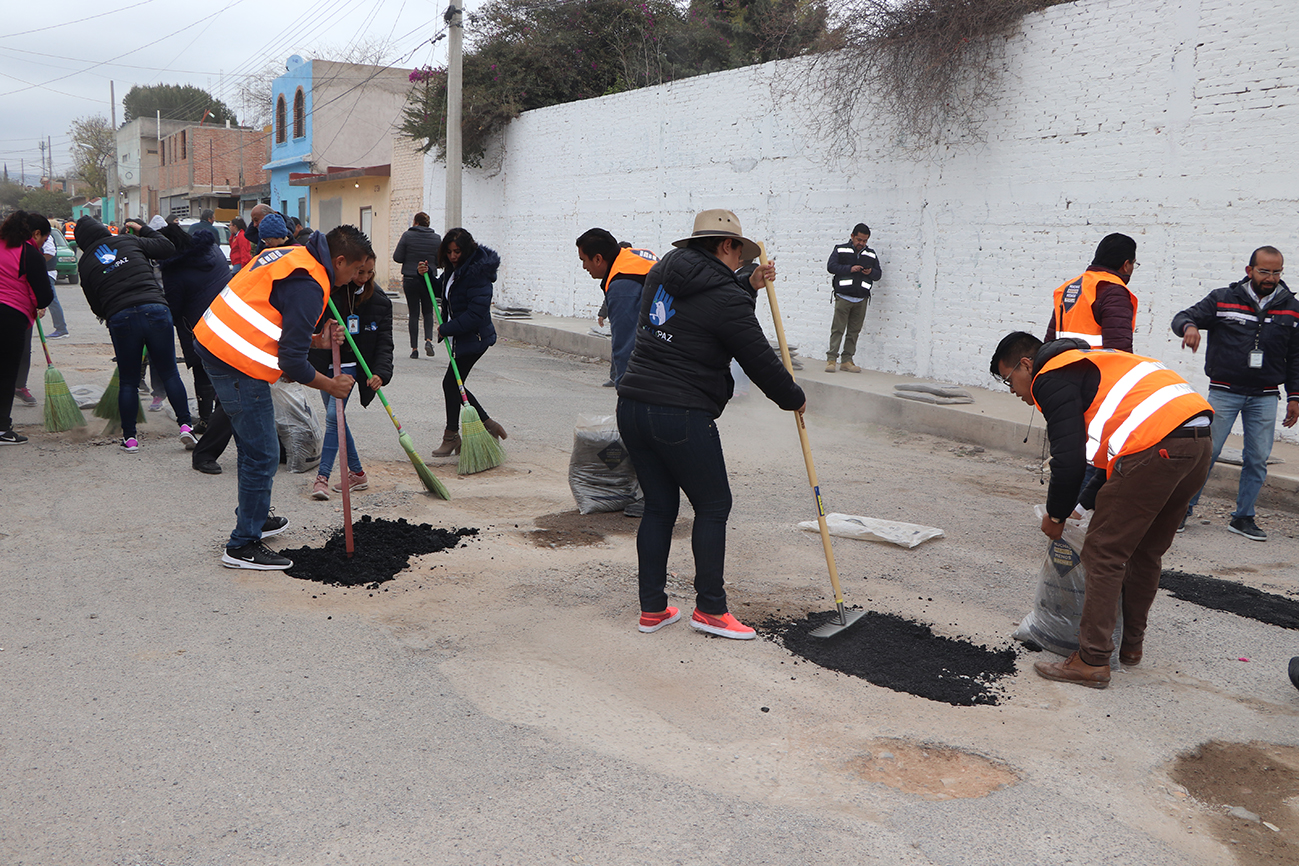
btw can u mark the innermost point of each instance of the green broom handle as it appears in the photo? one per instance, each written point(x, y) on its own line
point(44, 346)
point(360, 359)
point(437, 317)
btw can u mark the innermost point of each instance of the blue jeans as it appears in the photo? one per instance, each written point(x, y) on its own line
point(1258, 417)
point(252, 416)
point(56, 310)
point(623, 299)
point(329, 450)
point(132, 330)
point(675, 449)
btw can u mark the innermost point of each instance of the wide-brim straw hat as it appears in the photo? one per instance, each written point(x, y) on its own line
point(720, 223)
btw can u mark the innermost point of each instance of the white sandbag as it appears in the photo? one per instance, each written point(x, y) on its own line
point(874, 529)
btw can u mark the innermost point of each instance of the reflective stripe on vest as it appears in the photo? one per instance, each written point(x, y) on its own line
point(241, 327)
point(1073, 308)
point(629, 263)
point(1138, 403)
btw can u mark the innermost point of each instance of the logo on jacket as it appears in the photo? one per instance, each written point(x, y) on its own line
point(106, 255)
point(661, 310)
point(1071, 293)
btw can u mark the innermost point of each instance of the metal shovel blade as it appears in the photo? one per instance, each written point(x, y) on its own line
point(844, 621)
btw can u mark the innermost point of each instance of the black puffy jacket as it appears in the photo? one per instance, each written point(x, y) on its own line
point(1233, 322)
point(417, 244)
point(695, 316)
point(116, 271)
point(374, 340)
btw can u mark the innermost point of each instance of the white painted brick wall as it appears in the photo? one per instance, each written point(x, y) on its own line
point(1174, 122)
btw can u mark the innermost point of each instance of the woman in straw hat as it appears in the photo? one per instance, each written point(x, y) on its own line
point(696, 315)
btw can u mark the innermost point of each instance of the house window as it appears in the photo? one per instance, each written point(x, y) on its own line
point(299, 114)
point(183, 151)
point(279, 120)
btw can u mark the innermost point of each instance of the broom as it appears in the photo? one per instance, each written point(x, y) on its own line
point(61, 409)
point(108, 408)
point(479, 450)
point(431, 482)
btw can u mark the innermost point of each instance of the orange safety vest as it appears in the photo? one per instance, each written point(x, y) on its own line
point(112, 229)
point(1073, 308)
point(241, 327)
point(1138, 403)
point(67, 230)
point(629, 263)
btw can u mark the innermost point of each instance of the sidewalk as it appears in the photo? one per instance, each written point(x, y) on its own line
point(996, 419)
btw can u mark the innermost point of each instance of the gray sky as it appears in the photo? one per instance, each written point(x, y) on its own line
point(58, 59)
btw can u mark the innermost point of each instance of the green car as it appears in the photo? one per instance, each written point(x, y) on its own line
point(65, 260)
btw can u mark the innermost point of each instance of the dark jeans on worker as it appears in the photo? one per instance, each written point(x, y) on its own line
point(417, 301)
point(252, 415)
point(623, 299)
point(13, 324)
point(1138, 509)
point(675, 449)
point(132, 330)
point(452, 394)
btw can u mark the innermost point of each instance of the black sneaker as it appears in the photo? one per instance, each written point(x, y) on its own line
point(274, 525)
point(1247, 527)
point(1181, 527)
point(9, 437)
point(255, 555)
point(207, 467)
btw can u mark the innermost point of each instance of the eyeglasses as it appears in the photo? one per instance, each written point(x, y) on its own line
point(1005, 380)
point(1263, 272)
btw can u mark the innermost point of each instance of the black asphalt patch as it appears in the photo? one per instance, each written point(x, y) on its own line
point(383, 549)
point(1232, 597)
point(902, 655)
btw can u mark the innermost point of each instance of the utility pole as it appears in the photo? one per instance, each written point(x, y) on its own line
point(455, 83)
point(50, 146)
point(112, 174)
point(42, 144)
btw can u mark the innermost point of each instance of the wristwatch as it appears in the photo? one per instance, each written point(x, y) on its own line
point(1056, 520)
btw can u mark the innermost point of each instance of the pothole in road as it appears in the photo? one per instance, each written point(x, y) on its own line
point(1252, 788)
point(902, 655)
point(383, 549)
point(1232, 597)
point(930, 772)
point(564, 537)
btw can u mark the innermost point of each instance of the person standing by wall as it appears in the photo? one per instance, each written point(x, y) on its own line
point(419, 243)
point(25, 289)
point(695, 316)
point(241, 249)
point(1098, 306)
point(1253, 328)
point(621, 272)
point(855, 269)
point(48, 248)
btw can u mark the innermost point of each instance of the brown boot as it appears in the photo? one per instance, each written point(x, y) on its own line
point(1075, 670)
point(1130, 655)
point(829, 365)
point(847, 366)
point(450, 444)
point(495, 429)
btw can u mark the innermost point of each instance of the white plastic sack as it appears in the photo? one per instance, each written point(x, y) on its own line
point(87, 396)
point(874, 529)
point(600, 473)
point(1052, 624)
point(299, 426)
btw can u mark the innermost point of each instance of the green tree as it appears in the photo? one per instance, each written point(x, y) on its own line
point(527, 55)
point(176, 102)
point(94, 150)
point(10, 194)
point(47, 202)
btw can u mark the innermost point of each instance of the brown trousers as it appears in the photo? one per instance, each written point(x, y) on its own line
point(1137, 512)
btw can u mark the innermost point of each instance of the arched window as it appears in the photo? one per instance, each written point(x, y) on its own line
point(280, 134)
point(299, 114)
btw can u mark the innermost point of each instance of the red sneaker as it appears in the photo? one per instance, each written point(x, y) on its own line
point(355, 481)
point(652, 622)
point(725, 625)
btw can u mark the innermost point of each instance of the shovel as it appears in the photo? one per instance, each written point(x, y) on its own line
point(846, 618)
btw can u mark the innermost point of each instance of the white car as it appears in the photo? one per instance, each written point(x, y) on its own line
point(222, 230)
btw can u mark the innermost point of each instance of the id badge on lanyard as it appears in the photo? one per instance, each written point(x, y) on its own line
point(354, 327)
point(1256, 359)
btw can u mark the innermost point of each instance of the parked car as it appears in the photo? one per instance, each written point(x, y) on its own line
point(222, 230)
point(65, 260)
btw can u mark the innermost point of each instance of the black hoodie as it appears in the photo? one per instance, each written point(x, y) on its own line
point(116, 271)
point(695, 316)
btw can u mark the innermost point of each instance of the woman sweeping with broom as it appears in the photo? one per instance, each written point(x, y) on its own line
point(367, 314)
point(24, 289)
point(468, 273)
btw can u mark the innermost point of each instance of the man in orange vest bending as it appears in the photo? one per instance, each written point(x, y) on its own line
point(1147, 433)
point(1098, 306)
point(256, 331)
point(621, 273)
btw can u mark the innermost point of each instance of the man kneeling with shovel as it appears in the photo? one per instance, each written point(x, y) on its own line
point(1148, 431)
